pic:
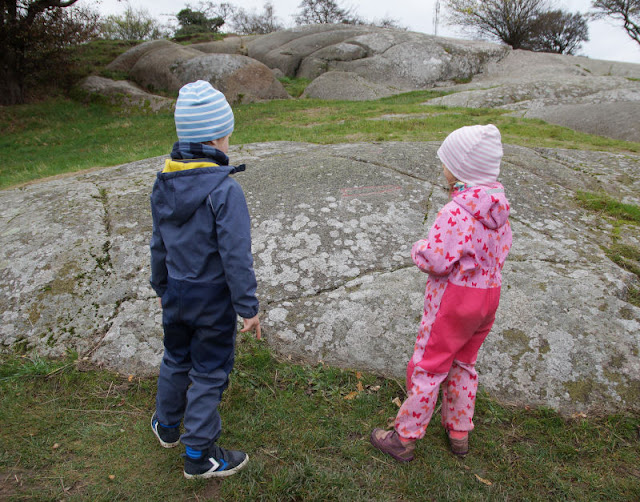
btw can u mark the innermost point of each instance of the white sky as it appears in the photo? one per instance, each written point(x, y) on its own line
point(608, 40)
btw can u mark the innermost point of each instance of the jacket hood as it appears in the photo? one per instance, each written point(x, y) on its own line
point(487, 204)
point(186, 182)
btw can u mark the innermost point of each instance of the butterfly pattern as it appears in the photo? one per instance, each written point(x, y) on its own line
point(466, 247)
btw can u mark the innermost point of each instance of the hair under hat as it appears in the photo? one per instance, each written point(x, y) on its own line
point(473, 154)
point(202, 113)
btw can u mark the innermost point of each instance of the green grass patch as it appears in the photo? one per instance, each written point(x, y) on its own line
point(294, 86)
point(606, 204)
point(61, 135)
point(93, 57)
point(619, 214)
point(625, 256)
point(86, 436)
point(198, 38)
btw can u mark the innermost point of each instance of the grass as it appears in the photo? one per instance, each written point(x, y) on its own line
point(294, 86)
point(619, 214)
point(86, 437)
point(609, 206)
point(60, 135)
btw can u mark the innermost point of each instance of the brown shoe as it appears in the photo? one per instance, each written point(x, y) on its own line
point(459, 447)
point(389, 443)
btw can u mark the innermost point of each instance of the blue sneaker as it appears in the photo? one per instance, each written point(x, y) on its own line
point(217, 462)
point(168, 436)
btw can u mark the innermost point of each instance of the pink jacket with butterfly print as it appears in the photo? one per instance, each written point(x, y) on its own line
point(470, 239)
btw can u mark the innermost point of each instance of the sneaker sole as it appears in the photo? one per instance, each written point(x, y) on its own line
point(164, 444)
point(218, 474)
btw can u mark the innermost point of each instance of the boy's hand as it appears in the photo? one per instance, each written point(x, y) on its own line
point(160, 302)
point(250, 325)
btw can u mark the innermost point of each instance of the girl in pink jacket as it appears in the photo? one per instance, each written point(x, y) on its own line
point(463, 255)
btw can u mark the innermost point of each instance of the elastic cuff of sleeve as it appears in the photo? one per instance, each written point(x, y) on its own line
point(160, 292)
point(248, 315)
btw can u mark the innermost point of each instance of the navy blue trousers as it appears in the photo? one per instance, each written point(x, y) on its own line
point(199, 325)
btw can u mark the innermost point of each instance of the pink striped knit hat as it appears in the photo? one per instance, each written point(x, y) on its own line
point(473, 154)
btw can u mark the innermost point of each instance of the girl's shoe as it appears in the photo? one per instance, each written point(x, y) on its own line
point(459, 446)
point(389, 443)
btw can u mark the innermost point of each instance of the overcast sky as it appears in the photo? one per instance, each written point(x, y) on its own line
point(608, 40)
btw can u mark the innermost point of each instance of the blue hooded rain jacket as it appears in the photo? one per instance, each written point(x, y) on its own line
point(201, 262)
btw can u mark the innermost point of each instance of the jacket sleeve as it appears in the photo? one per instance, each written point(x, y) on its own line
point(233, 228)
point(158, 258)
point(442, 249)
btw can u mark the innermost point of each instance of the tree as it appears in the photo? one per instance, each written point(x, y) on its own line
point(558, 31)
point(195, 21)
point(508, 20)
point(246, 23)
point(33, 36)
point(626, 10)
point(388, 22)
point(324, 12)
point(132, 25)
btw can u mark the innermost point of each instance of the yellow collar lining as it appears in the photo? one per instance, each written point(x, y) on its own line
point(173, 166)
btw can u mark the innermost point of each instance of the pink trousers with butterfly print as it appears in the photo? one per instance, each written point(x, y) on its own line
point(445, 356)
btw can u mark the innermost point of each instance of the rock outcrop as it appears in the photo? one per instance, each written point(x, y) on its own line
point(336, 282)
point(240, 78)
point(394, 58)
point(166, 66)
point(597, 97)
point(122, 92)
point(346, 86)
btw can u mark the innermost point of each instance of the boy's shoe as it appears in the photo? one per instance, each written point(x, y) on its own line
point(389, 442)
point(168, 436)
point(216, 463)
point(460, 446)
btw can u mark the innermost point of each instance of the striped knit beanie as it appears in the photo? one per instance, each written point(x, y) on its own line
point(473, 154)
point(202, 113)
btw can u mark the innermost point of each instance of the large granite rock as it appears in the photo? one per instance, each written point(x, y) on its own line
point(346, 86)
point(396, 58)
point(167, 66)
point(126, 61)
point(597, 97)
point(232, 44)
point(125, 93)
point(332, 230)
point(240, 78)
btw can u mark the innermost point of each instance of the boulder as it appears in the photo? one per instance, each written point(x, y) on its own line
point(617, 119)
point(597, 97)
point(287, 49)
point(231, 44)
point(346, 86)
point(124, 62)
point(168, 66)
point(125, 93)
point(154, 70)
point(396, 58)
point(239, 78)
point(332, 230)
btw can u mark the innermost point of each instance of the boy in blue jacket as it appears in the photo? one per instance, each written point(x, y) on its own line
point(202, 271)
